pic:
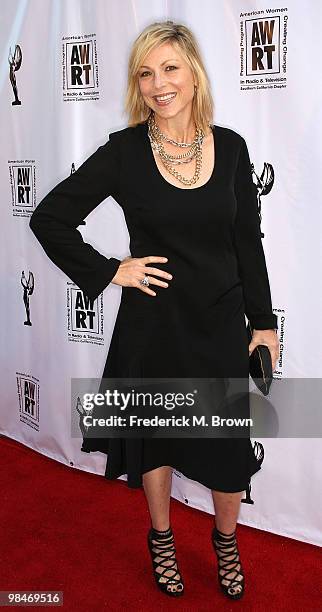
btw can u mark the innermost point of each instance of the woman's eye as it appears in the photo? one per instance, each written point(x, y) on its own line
point(143, 74)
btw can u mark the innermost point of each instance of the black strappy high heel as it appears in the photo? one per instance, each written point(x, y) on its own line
point(226, 549)
point(162, 550)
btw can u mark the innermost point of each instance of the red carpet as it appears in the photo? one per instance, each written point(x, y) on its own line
point(64, 529)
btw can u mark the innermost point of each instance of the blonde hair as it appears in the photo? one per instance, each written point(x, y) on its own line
point(185, 42)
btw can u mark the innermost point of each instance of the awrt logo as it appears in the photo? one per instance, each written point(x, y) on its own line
point(22, 180)
point(262, 46)
point(264, 52)
point(28, 393)
point(85, 316)
point(81, 65)
point(80, 68)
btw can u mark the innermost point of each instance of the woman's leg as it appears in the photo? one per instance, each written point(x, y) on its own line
point(157, 488)
point(227, 506)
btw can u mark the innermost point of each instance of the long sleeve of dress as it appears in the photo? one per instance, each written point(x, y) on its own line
point(249, 248)
point(56, 218)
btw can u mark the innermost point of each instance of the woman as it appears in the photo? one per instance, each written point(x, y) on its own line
point(195, 238)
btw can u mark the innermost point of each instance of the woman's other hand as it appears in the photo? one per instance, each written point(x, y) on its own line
point(133, 269)
point(269, 338)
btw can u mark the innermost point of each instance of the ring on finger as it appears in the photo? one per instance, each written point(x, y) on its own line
point(145, 281)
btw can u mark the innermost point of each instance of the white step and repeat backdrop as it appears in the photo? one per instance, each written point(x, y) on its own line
point(263, 59)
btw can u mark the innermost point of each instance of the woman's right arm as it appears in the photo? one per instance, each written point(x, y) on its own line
point(56, 218)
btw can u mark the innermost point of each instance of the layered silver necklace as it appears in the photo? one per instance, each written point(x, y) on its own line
point(195, 152)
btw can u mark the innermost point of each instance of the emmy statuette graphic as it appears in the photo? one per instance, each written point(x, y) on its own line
point(15, 60)
point(263, 185)
point(28, 288)
point(82, 413)
point(259, 452)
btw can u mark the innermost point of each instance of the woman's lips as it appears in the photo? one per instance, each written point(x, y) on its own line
point(164, 102)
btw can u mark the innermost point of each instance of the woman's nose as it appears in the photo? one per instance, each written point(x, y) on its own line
point(159, 81)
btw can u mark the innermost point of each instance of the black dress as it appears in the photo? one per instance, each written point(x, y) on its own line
point(195, 327)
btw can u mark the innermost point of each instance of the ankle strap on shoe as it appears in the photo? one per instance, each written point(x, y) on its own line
point(223, 537)
point(161, 534)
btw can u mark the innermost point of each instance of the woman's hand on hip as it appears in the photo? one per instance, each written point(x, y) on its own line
point(133, 269)
point(269, 338)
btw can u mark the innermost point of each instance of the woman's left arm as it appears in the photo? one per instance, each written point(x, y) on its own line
point(251, 259)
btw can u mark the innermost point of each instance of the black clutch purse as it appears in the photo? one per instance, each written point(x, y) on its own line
point(260, 365)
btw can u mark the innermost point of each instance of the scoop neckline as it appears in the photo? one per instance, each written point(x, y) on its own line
point(158, 173)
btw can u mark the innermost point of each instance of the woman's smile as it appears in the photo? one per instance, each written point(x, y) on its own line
point(164, 99)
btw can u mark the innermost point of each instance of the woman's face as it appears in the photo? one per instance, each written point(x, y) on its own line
point(164, 71)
